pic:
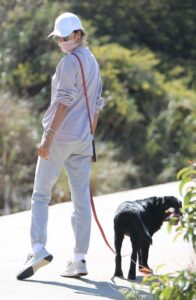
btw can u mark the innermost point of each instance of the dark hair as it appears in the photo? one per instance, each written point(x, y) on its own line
point(81, 31)
point(83, 40)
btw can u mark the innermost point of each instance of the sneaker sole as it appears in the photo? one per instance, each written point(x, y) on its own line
point(31, 270)
point(75, 276)
point(82, 274)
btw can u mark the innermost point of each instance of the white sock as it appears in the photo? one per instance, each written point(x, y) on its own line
point(78, 257)
point(36, 248)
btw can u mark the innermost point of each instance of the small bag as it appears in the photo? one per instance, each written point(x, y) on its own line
point(94, 159)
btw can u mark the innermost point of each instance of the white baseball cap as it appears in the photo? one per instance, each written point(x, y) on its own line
point(65, 24)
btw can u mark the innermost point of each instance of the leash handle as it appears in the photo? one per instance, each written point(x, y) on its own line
point(94, 159)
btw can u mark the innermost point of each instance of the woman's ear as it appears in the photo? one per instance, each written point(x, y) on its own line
point(78, 35)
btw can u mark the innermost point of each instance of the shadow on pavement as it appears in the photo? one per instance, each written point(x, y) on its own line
point(105, 289)
point(98, 289)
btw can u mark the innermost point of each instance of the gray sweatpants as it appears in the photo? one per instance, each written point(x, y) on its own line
point(76, 158)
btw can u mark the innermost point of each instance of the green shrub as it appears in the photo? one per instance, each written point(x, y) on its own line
point(18, 141)
point(27, 57)
point(150, 118)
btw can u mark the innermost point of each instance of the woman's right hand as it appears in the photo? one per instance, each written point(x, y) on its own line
point(44, 148)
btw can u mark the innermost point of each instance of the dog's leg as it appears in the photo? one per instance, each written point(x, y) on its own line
point(135, 248)
point(143, 260)
point(140, 257)
point(118, 239)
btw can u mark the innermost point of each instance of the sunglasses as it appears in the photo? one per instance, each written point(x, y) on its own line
point(65, 39)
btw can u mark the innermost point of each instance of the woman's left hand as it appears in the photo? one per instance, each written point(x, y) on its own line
point(44, 148)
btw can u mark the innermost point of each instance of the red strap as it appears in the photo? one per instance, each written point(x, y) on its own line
point(85, 92)
point(91, 126)
point(99, 225)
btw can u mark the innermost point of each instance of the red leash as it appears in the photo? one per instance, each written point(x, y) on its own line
point(144, 270)
point(99, 225)
point(91, 127)
point(94, 159)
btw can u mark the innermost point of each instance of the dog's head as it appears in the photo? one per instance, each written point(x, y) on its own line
point(171, 208)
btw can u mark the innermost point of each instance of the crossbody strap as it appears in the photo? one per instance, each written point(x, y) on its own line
point(85, 91)
point(87, 105)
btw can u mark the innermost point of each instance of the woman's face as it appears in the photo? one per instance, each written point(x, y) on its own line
point(68, 43)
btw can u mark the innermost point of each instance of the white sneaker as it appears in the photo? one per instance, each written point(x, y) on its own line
point(33, 263)
point(75, 269)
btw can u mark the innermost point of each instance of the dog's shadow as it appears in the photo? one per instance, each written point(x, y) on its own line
point(106, 289)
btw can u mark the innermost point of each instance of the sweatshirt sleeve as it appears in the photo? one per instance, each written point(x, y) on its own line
point(66, 92)
point(99, 101)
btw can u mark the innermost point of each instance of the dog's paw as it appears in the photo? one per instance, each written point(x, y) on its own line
point(131, 277)
point(146, 270)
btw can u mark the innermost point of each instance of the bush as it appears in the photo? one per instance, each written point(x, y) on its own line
point(18, 140)
point(165, 26)
point(150, 118)
point(27, 57)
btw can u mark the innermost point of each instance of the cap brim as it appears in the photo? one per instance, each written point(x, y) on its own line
point(51, 34)
point(60, 33)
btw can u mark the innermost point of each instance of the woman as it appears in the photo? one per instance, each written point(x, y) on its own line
point(67, 141)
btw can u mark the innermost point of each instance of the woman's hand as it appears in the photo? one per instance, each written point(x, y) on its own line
point(44, 148)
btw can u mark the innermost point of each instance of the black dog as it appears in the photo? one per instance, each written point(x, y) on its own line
point(139, 220)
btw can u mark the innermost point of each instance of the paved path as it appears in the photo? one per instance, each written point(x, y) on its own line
point(46, 284)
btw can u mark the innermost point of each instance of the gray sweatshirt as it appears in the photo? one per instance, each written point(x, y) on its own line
point(67, 88)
